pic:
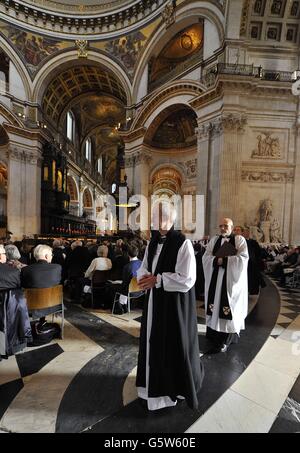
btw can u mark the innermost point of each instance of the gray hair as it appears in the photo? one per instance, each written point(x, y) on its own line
point(41, 251)
point(12, 252)
point(76, 244)
point(57, 243)
point(102, 251)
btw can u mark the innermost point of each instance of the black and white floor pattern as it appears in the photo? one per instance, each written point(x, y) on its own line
point(86, 382)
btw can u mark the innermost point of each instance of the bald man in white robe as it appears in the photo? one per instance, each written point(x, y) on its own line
point(226, 288)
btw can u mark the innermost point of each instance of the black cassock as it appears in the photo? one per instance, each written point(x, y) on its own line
point(255, 280)
point(174, 360)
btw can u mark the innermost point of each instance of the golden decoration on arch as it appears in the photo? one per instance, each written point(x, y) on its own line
point(82, 50)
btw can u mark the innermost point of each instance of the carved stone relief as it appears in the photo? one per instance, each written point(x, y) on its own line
point(168, 14)
point(191, 168)
point(267, 147)
point(266, 227)
point(267, 176)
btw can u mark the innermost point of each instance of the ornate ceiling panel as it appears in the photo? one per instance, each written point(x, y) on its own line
point(272, 21)
point(100, 111)
point(76, 81)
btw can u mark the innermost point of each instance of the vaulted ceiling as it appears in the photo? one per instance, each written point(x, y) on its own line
point(76, 81)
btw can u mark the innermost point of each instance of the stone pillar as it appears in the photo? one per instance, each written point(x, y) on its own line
point(295, 223)
point(81, 190)
point(137, 162)
point(214, 180)
point(203, 162)
point(141, 172)
point(24, 190)
point(230, 171)
point(94, 203)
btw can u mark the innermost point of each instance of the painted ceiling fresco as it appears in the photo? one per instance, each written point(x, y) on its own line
point(181, 47)
point(177, 130)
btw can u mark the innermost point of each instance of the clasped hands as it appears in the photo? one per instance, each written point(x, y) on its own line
point(147, 282)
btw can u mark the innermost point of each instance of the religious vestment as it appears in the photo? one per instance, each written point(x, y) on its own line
point(226, 288)
point(255, 279)
point(169, 366)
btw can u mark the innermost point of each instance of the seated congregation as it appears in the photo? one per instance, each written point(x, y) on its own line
point(36, 279)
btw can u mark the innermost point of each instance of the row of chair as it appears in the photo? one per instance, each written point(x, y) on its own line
point(40, 299)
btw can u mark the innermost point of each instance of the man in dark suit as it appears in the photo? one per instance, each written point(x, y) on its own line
point(9, 276)
point(41, 274)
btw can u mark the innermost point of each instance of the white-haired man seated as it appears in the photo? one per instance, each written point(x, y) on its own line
point(41, 274)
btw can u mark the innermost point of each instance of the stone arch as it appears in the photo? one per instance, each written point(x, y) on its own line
point(181, 134)
point(87, 198)
point(166, 179)
point(8, 117)
point(184, 92)
point(185, 15)
point(72, 189)
point(69, 58)
point(19, 65)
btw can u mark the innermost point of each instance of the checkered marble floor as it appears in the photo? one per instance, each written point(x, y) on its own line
point(92, 373)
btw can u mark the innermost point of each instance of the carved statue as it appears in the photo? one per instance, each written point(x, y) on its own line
point(275, 231)
point(256, 233)
point(265, 211)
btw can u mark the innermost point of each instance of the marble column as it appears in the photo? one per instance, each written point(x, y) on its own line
point(24, 190)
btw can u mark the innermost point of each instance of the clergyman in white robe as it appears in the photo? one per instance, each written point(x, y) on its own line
point(182, 281)
point(236, 286)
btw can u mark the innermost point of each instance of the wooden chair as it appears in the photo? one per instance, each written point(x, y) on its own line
point(99, 280)
point(134, 292)
point(44, 298)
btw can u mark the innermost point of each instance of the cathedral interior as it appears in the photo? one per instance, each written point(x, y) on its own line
point(165, 98)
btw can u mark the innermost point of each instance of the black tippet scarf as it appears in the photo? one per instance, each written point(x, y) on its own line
point(225, 311)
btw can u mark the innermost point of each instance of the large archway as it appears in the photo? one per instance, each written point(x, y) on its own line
point(74, 196)
point(87, 203)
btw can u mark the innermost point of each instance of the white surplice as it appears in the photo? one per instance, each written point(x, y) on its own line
point(237, 286)
point(182, 280)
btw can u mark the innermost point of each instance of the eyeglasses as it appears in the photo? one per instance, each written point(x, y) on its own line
point(3, 253)
point(224, 226)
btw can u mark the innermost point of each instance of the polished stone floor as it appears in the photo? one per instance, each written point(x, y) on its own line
point(86, 382)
